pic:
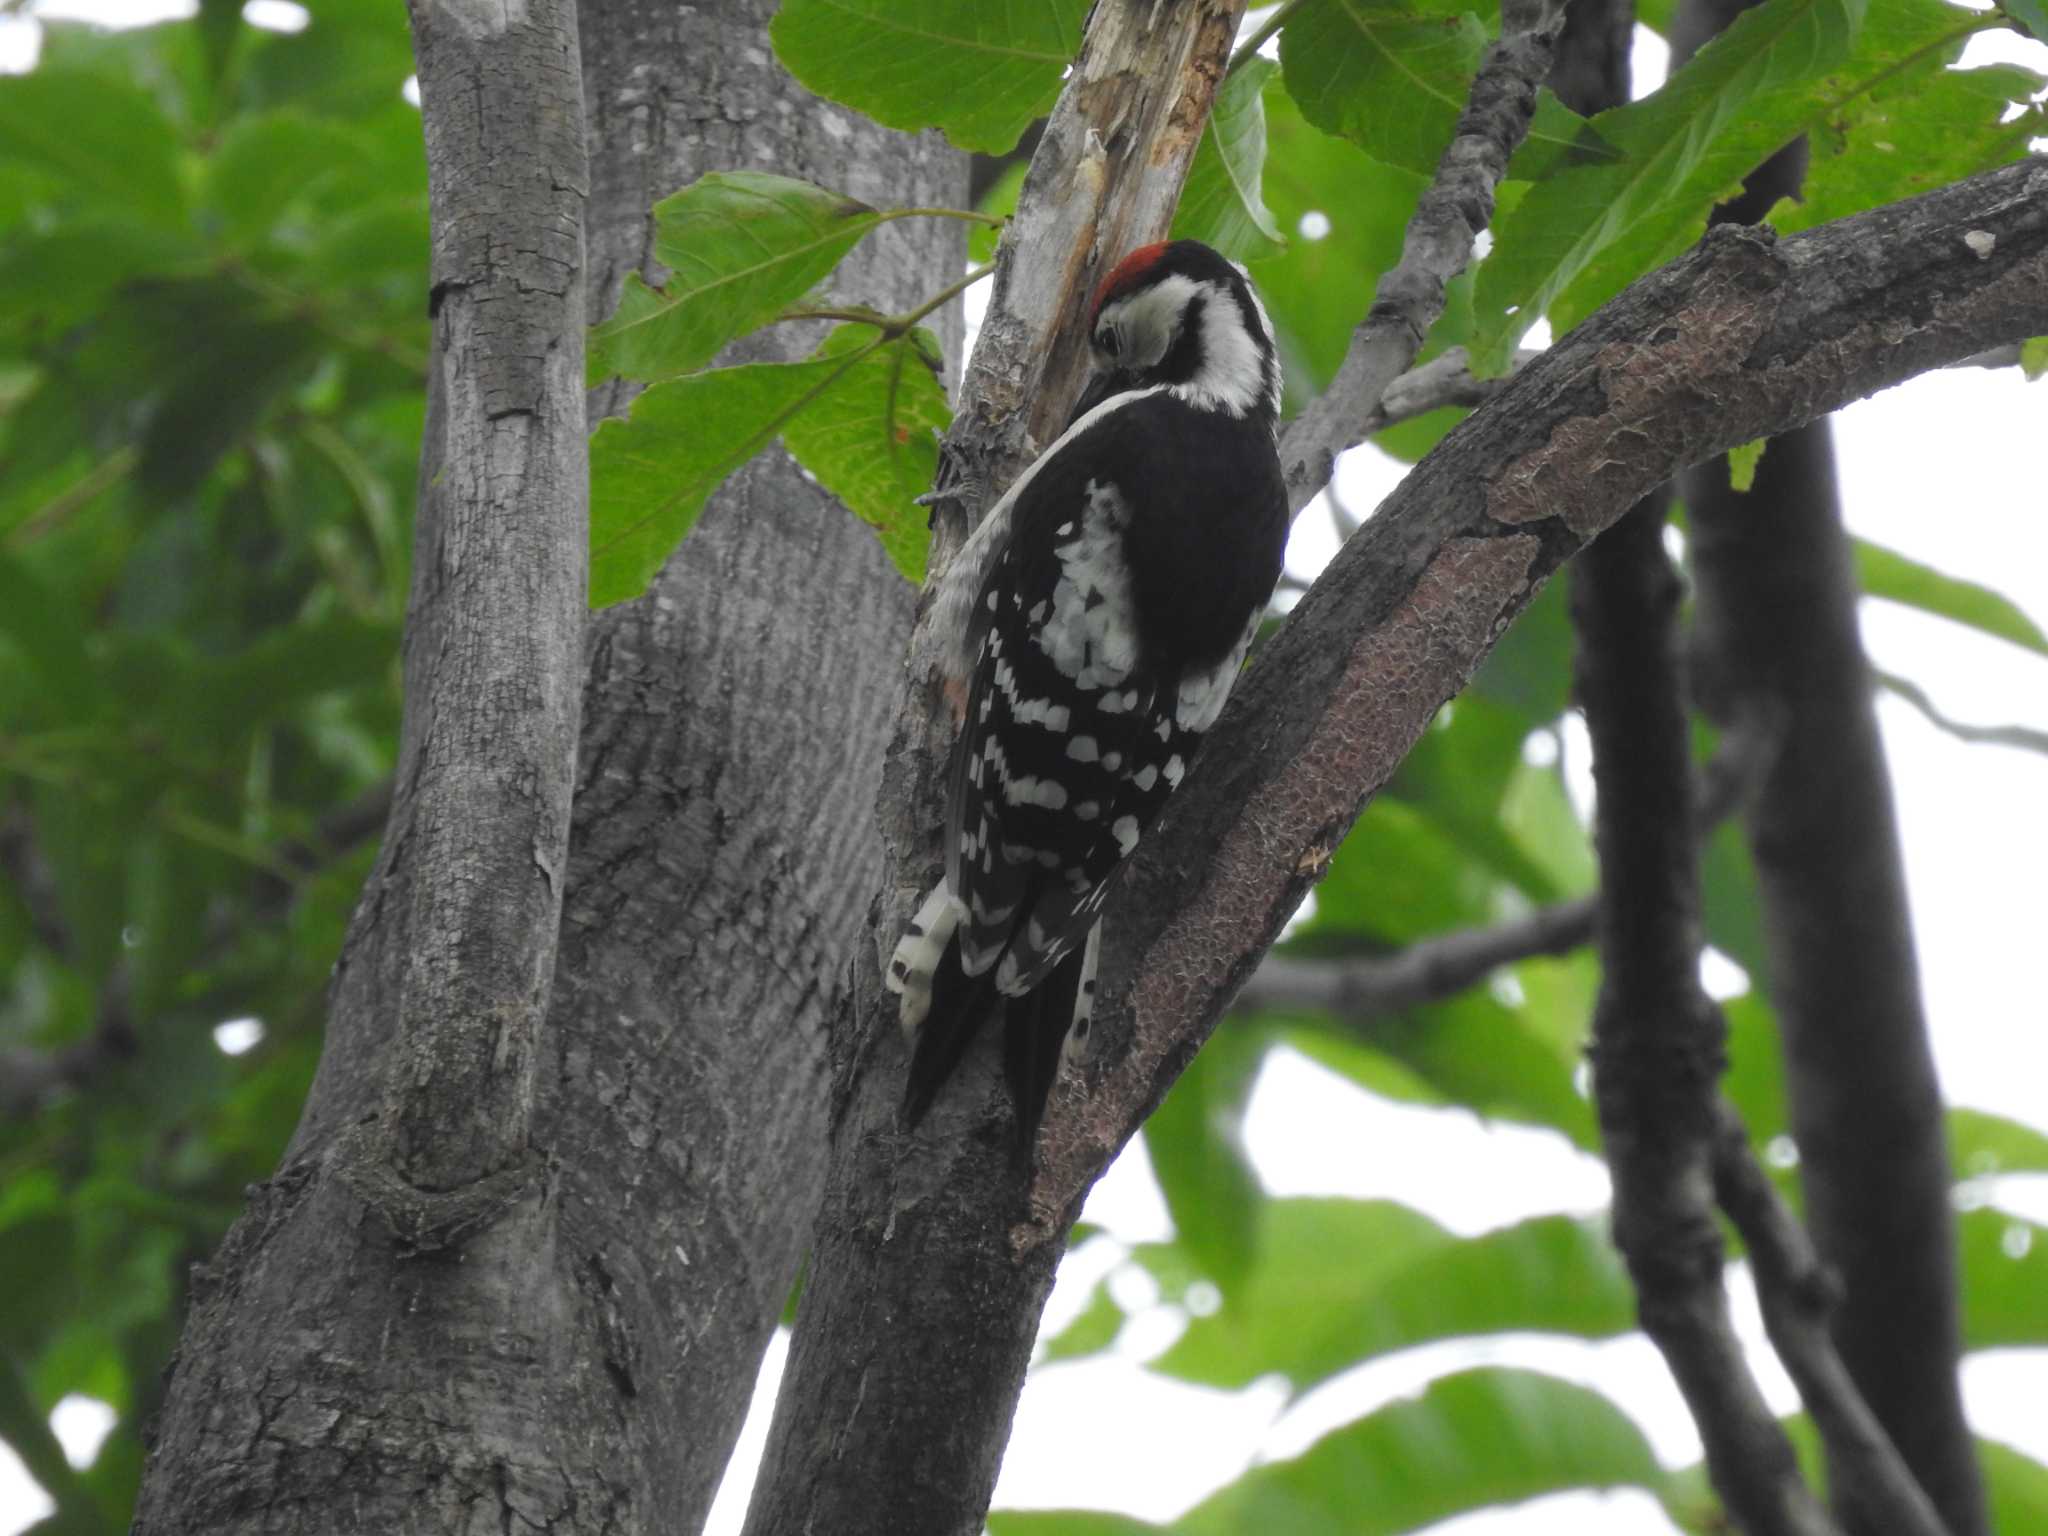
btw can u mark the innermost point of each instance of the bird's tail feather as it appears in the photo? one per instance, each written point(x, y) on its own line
point(958, 1004)
point(1034, 1041)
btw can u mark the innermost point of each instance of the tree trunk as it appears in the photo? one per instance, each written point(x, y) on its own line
point(577, 1346)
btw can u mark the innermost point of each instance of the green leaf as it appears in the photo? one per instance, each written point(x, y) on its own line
point(1090, 1333)
point(1896, 120)
point(1890, 575)
point(1390, 77)
point(1471, 1050)
point(265, 165)
point(1001, 201)
point(51, 281)
point(1196, 1142)
point(1340, 1282)
point(1530, 667)
point(1222, 203)
point(1300, 1308)
point(46, 632)
point(1399, 877)
point(1582, 235)
point(102, 141)
point(1755, 1080)
point(1469, 1440)
point(2005, 1277)
point(1742, 463)
point(2016, 1487)
point(651, 471)
point(1981, 1144)
point(873, 438)
point(977, 71)
point(1322, 284)
point(2034, 358)
point(740, 246)
point(1558, 137)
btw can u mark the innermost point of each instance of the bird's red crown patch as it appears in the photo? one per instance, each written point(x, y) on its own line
point(1125, 274)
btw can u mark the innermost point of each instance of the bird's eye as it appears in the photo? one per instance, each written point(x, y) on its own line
point(1108, 340)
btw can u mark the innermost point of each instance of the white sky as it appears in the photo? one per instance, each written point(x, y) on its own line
point(1947, 469)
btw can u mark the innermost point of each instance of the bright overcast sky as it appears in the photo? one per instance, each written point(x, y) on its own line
point(1946, 469)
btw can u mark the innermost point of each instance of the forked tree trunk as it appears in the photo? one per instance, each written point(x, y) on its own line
point(567, 1333)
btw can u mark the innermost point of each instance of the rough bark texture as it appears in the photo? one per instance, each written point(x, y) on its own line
point(917, 1320)
point(375, 1337)
point(582, 1359)
point(725, 847)
point(1778, 639)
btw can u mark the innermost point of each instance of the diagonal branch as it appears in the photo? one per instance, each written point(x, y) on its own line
point(1740, 338)
point(1359, 988)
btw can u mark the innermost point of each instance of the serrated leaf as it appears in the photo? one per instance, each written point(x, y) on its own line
point(1580, 236)
point(1894, 577)
point(1338, 1283)
point(873, 440)
point(1391, 78)
point(978, 72)
point(1196, 1143)
point(1222, 203)
point(651, 470)
point(741, 246)
point(1469, 1440)
point(98, 138)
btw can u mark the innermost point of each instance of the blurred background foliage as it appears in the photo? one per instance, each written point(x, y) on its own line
point(213, 243)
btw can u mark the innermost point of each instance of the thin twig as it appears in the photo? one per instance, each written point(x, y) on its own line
point(1359, 989)
point(2026, 737)
point(1438, 246)
point(1798, 1293)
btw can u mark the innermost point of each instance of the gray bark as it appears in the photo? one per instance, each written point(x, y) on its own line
point(578, 1349)
point(918, 1317)
point(373, 1342)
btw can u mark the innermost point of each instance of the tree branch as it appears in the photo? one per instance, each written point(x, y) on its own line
point(1658, 1041)
point(1735, 340)
point(1360, 988)
point(1456, 207)
point(1798, 1293)
point(313, 1331)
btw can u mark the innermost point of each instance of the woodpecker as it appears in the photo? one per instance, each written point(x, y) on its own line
point(1100, 613)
